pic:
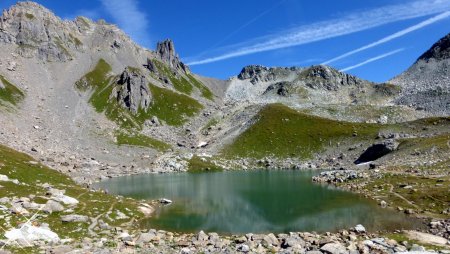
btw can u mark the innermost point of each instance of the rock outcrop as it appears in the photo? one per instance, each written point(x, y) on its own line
point(165, 51)
point(258, 73)
point(281, 88)
point(439, 51)
point(377, 151)
point(132, 91)
point(327, 78)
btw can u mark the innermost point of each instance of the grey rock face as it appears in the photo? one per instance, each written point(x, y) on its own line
point(37, 32)
point(281, 88)
point(258, 73)
point(327, 78)
point(132, 91)
point(165, 50)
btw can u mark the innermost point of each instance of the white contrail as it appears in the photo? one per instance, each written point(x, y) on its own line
point(373, 59)
point(352, 23)
point(253, 20)
point(393, 36)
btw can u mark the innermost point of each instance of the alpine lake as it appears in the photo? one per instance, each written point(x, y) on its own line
point(259, 201)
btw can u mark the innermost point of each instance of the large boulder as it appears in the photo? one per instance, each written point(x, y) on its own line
point(377, 151)
point(53, 206)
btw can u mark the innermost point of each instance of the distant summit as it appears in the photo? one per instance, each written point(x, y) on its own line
point(439, 51)
point(426, 84)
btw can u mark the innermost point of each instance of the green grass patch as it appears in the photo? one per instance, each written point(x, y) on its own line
point(201, 164)
point(141, 140)
point(180, 83)
point(29, 16)
point(440, 142)
point(171, 107)
point(430, 194)
point(10, 93)
point(98, 77)
point(283, 132)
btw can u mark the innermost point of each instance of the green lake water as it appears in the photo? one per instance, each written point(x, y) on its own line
point(255, 201)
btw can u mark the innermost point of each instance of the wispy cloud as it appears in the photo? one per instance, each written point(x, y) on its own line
point(351, 23)
point(373, 59)
point(393, 36)
point(130, 18)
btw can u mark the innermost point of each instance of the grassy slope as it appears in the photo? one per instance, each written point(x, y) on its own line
point(172, 107)
point(283, 132)
point(184, 84)
point(10, 94)
point(16, 166)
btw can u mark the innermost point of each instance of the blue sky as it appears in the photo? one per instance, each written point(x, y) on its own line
point(373, 39)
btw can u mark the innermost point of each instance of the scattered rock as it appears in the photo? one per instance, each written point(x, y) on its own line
point(360, 229)
point(74, 218)
point(165, 201)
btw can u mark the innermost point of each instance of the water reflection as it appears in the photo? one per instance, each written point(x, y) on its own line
point(261, 201)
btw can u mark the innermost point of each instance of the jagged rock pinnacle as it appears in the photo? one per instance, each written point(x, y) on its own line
point(165, 50)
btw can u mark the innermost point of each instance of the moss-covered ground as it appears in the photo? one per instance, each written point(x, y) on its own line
point(183, 84)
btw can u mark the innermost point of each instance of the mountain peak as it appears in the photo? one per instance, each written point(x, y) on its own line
point(28, 9)
point(439, 51)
